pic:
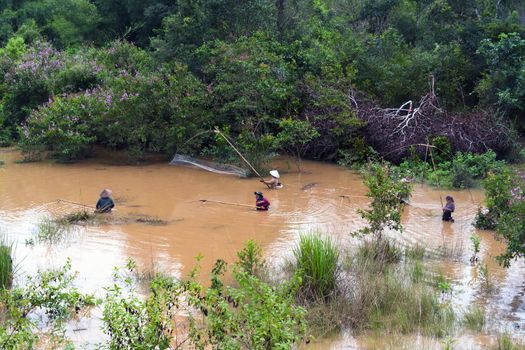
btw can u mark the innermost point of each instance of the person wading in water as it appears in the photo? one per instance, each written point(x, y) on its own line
point(448, 209)
point(261, 203)
point(105, 203)
point(274, 182)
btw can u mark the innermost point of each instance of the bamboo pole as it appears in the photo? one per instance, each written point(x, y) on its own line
point(227, 203)
point(437, 178)
point(75, 203)
point(217, 131)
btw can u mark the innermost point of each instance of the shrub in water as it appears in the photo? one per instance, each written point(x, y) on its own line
point(316, 260)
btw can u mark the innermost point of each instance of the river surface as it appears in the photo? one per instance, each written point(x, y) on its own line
point(309, 201)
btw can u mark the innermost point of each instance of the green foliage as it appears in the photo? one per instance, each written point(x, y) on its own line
point(504, 198)
point(316, 262)
point(253, 315)
point(386, 193)
point(504, 83)
point(463, 170)
point(15, 48)
point(250, 258)
point(476, 242)
point(295, 135)
point(134, 323)
point(6, 263)
point(49, 293)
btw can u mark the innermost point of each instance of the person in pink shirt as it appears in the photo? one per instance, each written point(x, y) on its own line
point(261, 203)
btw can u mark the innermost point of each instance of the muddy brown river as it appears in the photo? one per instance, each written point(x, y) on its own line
point(309, 201)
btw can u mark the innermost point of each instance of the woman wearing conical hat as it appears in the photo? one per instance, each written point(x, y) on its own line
point(274, 182)
point(105, 203)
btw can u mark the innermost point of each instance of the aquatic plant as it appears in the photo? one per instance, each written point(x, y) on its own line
point(383, 251)
point(486, 284)
point(393, 298)
point(6, 263)
point(51, 231)
point(474, 318)
point(476, 243)
point(416, 252)
point(316, 263)
point(76, 217)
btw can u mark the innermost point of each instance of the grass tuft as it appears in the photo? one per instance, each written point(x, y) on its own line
point(505, 342)
point(316, 261)
point(6, 263)
point(474, 318)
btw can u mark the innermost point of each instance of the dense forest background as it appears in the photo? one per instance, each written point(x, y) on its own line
point(317, 78)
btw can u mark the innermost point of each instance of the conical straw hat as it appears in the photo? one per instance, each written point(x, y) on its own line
point(275, 173)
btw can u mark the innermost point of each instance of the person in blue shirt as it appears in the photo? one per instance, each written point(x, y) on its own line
point(105, 203)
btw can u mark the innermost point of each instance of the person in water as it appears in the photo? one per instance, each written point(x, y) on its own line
point(274, 182)
point(105, 203)
point(261, 203)
point(448, 209)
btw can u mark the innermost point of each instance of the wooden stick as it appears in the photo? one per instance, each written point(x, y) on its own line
point(239, 153)
point(437, 178)
point(227, 203)
point(79, 204)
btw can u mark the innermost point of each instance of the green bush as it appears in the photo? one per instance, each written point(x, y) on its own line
point(253, 315)
point(49, 293)
point(134, 323)
point(316, 261)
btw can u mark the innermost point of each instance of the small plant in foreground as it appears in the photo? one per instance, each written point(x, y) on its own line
point(134, 323)
point(253, 315)
point(443, 284)
point(476, 243)
point(250, 258)
point(316, 260)
point(486, 283)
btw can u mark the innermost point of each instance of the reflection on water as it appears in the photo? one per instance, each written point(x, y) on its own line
point(309, 201)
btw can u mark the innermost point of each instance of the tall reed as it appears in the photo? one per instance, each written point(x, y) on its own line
point(316, 261)
point(6, 263)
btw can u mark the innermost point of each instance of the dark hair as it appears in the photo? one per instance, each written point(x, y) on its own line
point(449, 198)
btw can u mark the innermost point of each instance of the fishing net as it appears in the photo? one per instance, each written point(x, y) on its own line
point(225, 169)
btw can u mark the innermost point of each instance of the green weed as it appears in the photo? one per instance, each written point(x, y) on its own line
point(505, 342)
point(316, 261)
point(6, 263)
point(51, 231)
point(474, 318)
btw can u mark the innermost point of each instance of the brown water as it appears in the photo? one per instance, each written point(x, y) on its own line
point(309, 201)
